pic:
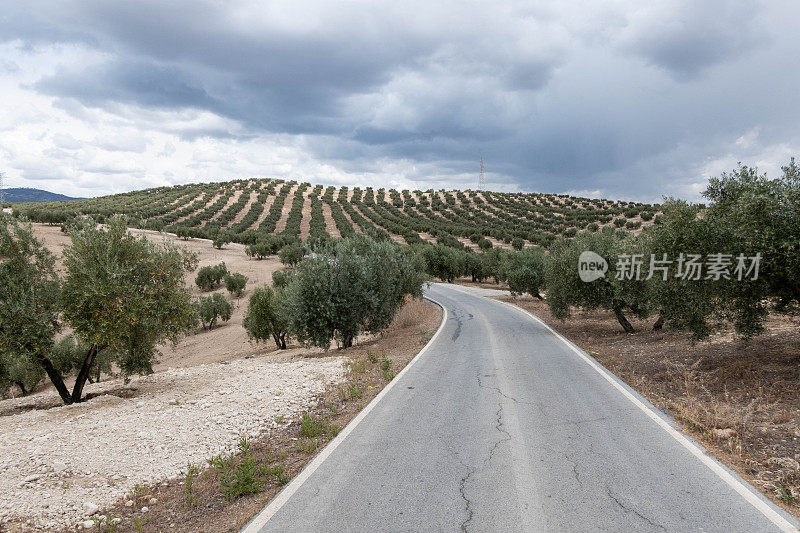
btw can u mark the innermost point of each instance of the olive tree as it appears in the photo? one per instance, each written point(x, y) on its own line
point(125, 294)
point(29, 305)
point(493, 263)
point(524, 271)
point(443, 262)
point(68, 355)
point(291, 254)
point(565, 288)
point(282, 278)
point(267, 316)
point(753, 214)
point(681, 303)
point(748, 215)
point(221, 239)
point(121, 295)
point(357, 286)
point(475, 266)
point(235, 283)
point(209, 277)
point(212, 308)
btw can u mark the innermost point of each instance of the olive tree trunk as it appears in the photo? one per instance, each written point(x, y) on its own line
point(622, 320)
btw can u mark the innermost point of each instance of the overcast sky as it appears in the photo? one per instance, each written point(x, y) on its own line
point(618, 99)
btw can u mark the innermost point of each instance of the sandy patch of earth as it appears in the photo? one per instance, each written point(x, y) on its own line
point(54, 461)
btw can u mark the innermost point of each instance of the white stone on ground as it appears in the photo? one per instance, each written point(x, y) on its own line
point(59, 466)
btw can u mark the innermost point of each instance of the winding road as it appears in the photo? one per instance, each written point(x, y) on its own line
point(500, 424)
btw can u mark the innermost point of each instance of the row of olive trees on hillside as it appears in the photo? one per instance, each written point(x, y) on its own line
point(119, 294)
point(355, 285)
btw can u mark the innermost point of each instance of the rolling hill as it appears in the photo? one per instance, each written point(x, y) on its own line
point(247, 209)
point(26, 194)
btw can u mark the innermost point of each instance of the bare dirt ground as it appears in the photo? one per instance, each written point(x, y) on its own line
point(330, 224)
point(740, 400)
point(287, 207)
point(305, 222)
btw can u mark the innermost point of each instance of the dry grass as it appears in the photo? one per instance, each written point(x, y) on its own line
point(741, 400)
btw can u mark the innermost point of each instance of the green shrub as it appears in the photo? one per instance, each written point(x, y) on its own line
point(209, 277)
point(267, 316)
point(356, 287)
point(211, 308)
point(235, 283)
point(292, 254)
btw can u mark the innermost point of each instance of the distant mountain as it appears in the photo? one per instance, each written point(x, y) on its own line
point(25, 194)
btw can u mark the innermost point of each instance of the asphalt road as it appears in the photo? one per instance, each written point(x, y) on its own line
point(500, 425)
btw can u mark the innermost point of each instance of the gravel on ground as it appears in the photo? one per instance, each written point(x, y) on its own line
point(59, 465)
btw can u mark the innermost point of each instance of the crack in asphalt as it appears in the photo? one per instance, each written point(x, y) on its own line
point(500, 427)
point(497, 390)
point(462, 484)
point(632, 510)
point(467, 502)
point(459, 322)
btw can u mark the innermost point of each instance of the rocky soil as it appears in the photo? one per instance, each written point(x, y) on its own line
point(58, 465)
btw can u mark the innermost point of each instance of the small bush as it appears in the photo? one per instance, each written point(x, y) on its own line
point(211, 308)
point(221, 239)
point(291, 254)
point(245, 478)
point(188, 491)
point(235, 283)
point(308, 446)
point(354, 391)
point(208, 278)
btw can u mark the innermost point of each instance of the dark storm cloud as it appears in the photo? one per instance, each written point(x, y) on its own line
point(552, 103)
point(688, 38)
point(130, 82)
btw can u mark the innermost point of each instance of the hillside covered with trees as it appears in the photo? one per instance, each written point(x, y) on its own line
point(246, 210)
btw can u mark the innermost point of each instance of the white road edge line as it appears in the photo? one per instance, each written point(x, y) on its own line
point(698, 452)
point(261, 519)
